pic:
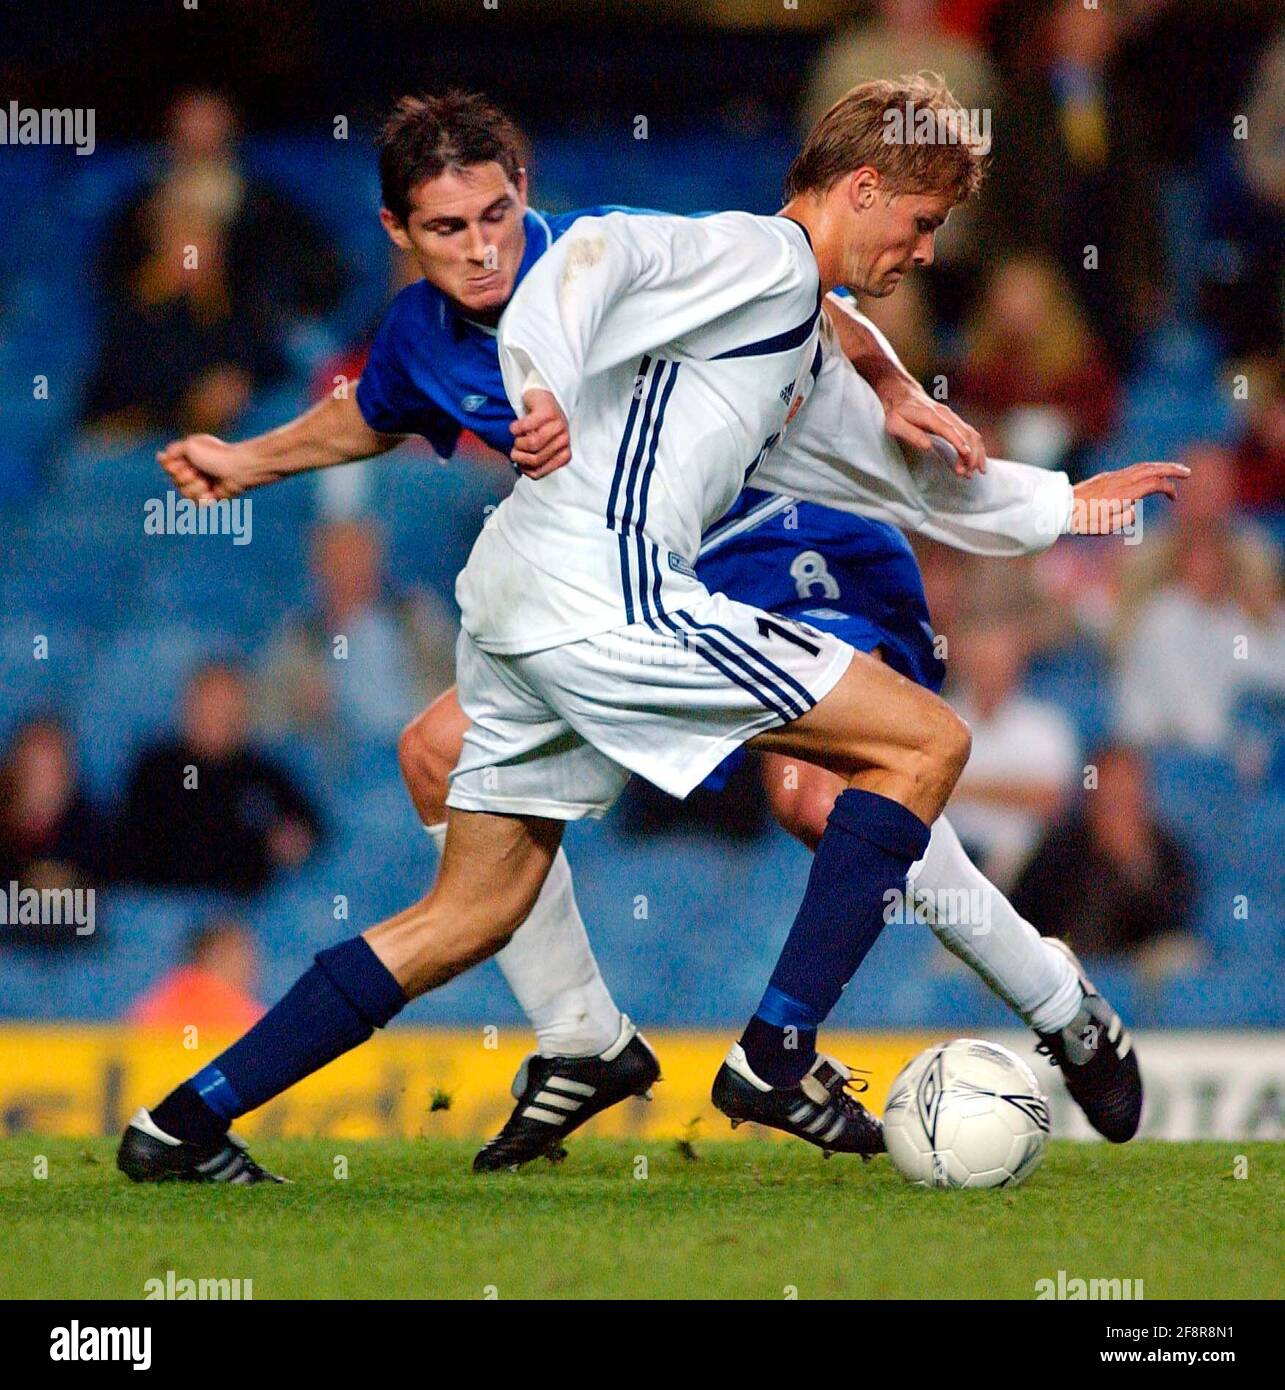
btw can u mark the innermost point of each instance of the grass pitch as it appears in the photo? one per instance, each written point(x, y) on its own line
point(621, 1219)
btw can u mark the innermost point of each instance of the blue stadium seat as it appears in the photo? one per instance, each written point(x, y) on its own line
point(1173, 399)
point(34, 686)
point(131, 698)
point(679, 173)
point(27, 176)
point(1075, 678)
point(1248, 996)
point(336, 183)
point(431, 512)
point(1199, 795)
point(139, 934)
point(45, 984)
point(1258, 736)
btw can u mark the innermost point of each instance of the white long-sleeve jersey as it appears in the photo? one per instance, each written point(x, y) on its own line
point(839, 453)
point(681, 351)
point(676, 347)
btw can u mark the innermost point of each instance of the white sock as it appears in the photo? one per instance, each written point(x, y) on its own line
point(550, 967)
point(1033, 978)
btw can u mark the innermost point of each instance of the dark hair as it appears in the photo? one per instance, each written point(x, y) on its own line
point(424, 136)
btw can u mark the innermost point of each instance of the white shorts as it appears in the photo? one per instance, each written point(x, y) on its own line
point(557, 733)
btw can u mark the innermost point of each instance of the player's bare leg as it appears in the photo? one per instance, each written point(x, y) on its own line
point(491, 874)
point(492, 870)
point(585, 1046)
point(878, 732)
point(800, 795)
point(427, 751)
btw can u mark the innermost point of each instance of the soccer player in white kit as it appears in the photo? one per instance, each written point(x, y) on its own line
point(679, 351)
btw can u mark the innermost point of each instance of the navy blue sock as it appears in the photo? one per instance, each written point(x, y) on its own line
point(333, 1006)
point(869, 844)
point(186, 1116)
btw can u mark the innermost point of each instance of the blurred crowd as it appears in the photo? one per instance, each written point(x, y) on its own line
point(206, 271)
point(1111, 286)
point(206, 807)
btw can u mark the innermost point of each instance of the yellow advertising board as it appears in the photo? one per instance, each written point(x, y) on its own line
point(86, 1080)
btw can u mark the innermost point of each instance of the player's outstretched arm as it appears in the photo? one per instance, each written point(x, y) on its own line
point(1106, 502)
point(910, 413)
point(838, 453)
point(206, 469)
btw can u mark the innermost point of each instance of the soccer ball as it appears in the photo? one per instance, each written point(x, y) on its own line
point(966, 1114)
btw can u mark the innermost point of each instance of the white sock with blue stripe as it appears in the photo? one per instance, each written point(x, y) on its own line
point(552, 971)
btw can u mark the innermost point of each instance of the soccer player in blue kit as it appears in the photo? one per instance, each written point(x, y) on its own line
point(454, 195)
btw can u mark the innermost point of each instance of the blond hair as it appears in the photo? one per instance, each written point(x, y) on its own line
point(855, 133)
